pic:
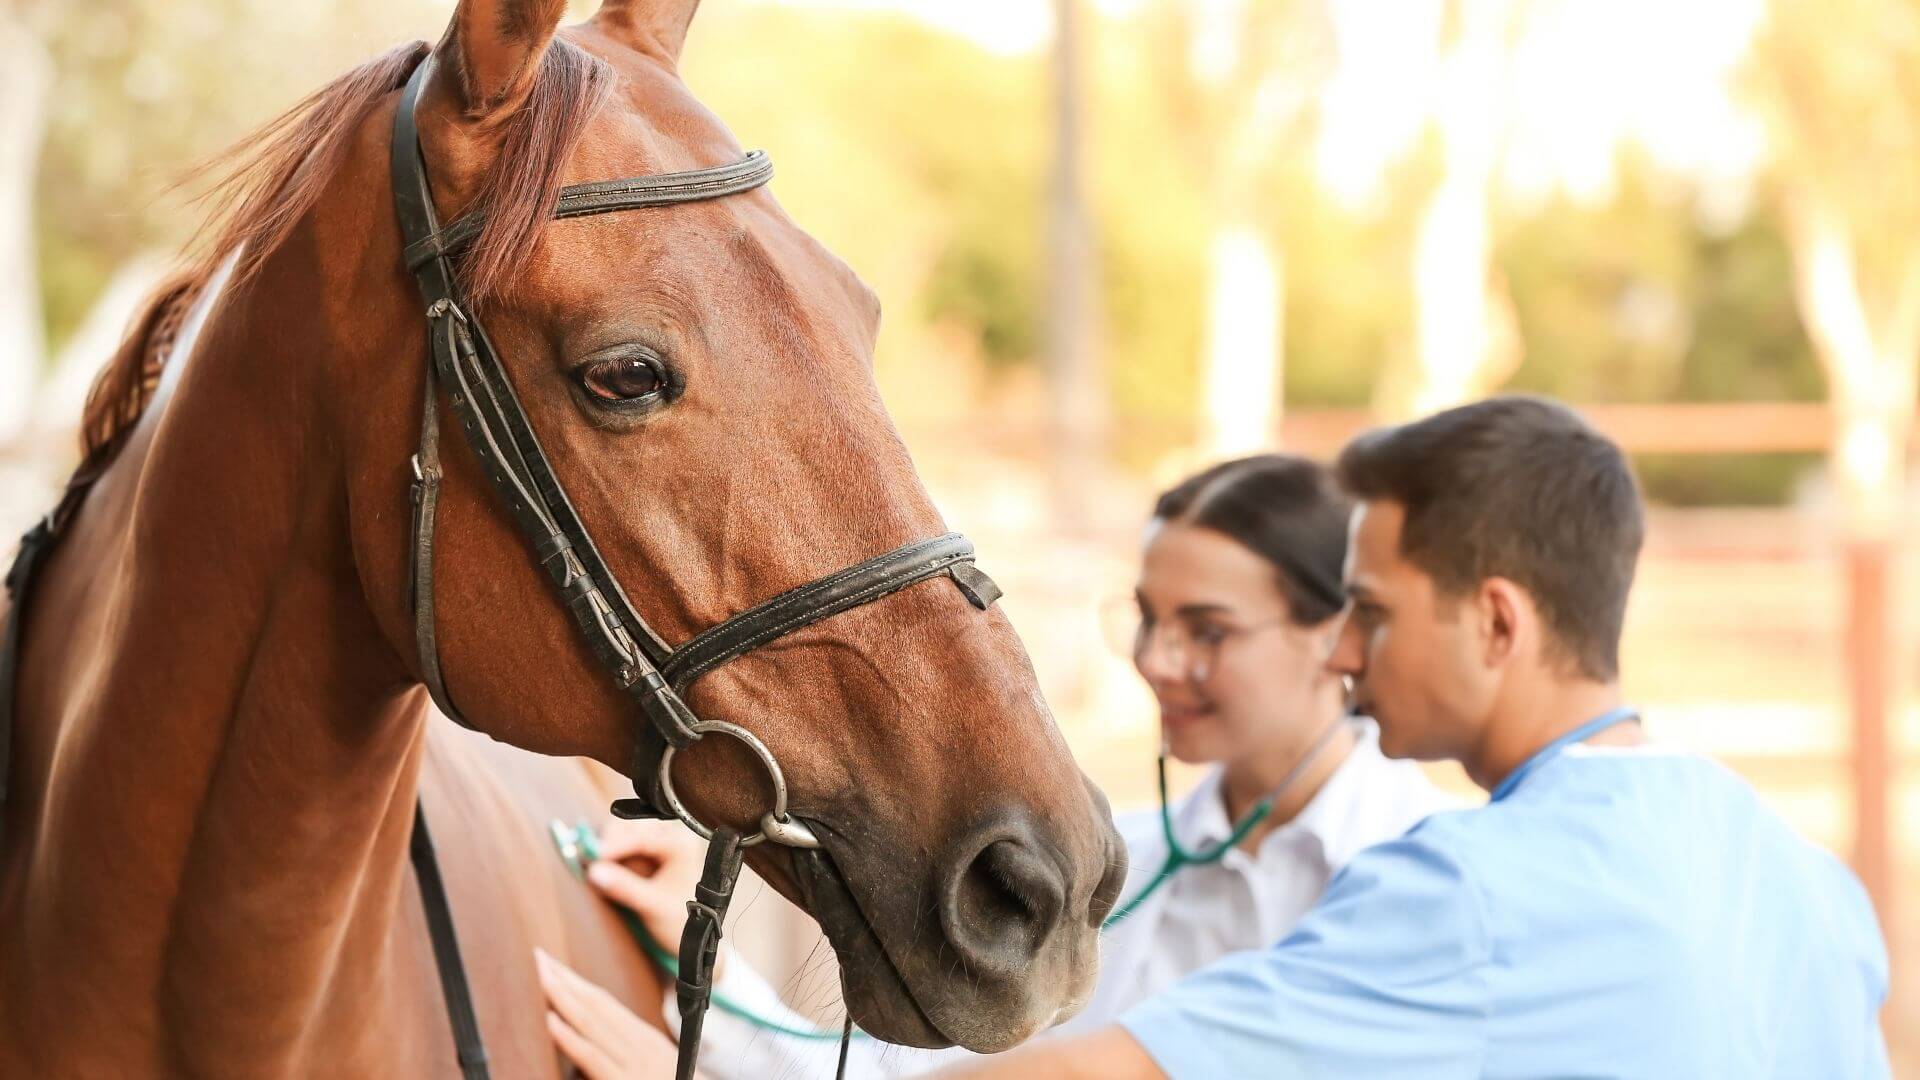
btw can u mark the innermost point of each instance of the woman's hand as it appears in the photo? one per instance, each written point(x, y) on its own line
point(651, 867)
point(599, 1034)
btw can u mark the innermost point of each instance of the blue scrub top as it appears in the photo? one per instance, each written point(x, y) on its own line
point(1626, 912)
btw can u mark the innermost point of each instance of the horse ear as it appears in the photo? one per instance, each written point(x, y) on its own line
point(653, 26)
point(493, 49)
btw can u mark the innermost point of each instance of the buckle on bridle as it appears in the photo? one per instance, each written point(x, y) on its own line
point(445, 306)
point(424, 477)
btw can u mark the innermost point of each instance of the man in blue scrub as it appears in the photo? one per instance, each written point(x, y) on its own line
point(1616, 909)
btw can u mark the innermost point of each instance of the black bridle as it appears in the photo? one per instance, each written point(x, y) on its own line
point(656, 675)
point(481, 395)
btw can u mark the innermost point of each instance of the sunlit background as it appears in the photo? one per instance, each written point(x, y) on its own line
point(1118, 239)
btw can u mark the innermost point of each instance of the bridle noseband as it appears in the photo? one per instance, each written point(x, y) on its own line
point(482, 399)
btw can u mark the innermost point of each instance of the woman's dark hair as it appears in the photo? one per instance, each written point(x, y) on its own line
point(1286, 509)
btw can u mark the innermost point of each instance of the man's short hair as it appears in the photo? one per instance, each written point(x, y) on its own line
point(1519, 488)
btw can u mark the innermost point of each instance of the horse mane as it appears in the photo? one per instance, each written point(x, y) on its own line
point(264, 185)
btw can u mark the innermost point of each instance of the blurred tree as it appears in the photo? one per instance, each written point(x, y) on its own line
point(950, 143)
point(1154, 217)
point(1839, 83)
point(1635, 300)
point(1242, 77)
point(1621, 299)
point(143, 89)
point(1350, 301)
point(1464, 346)
point(1077, 397)
point(1433, 101)
point(25, 75)
point(945, 145)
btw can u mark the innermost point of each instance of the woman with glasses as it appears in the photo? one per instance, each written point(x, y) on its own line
point(1234, 613)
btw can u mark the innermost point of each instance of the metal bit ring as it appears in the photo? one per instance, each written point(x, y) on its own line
point(775, 825)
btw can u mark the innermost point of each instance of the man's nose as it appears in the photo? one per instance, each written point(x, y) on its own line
point(1348, 656)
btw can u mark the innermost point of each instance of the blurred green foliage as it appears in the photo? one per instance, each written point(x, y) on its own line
point(143, 90)
point(921, 159)
point(1638, 301)
point(1635, 301)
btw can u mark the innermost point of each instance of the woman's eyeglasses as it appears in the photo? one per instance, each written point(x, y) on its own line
point(1186, 643)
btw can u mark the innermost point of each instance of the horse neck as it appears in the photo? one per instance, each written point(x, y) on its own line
point(227, 748)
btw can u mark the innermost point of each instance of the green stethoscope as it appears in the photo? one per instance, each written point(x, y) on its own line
point(578, 846)
point(1179, 856)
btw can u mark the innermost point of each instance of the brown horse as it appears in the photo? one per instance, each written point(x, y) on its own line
point(220, 728)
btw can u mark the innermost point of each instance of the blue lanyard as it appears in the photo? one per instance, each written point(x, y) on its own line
point(1552, 750)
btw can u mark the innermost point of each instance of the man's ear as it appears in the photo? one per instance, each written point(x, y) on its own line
point(1508, 620)
point(492, 51)
point(658, 27)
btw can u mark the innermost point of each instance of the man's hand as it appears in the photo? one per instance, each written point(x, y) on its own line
point(599, 1034)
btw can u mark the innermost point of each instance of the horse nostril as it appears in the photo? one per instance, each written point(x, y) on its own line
point(1106, 895)
point(1002, 904)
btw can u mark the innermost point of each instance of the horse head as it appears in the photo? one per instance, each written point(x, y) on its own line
point(700, 378)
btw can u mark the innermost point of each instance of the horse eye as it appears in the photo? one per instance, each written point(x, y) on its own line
point(622, 381)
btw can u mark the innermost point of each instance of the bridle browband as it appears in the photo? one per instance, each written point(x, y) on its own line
point(483, 401)
point(606, 196)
